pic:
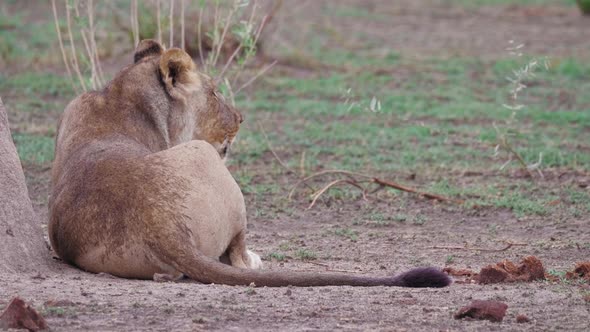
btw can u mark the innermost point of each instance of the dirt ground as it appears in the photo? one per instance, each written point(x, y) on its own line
point(430, 233)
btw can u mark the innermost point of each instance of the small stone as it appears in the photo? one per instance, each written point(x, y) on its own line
point(492, 275)
point(493, 311)
point(19, 315)
point(522, 318)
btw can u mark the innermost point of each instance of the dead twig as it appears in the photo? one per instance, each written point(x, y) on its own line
point(385, 183)
point(412, 190)
point(302, 164)
point(226, 26)
point(280, 161)
point(171, 24)
point(329, 269)
point(92, 30)
point(94, 81)
point(333, 183)
point(200, 38)
point(73, 48)
point(255, 77)
point(182, 24)
point(61, 45)
point(158, 5)
point(134, 23)
point(508, 246)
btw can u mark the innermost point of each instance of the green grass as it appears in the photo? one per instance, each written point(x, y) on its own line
point(277, 256)
point(305, 254)
point(30, 43)
point(36, 84)
point(523, 200)
point(347, 233)
point(418, 121)
point(521, 204)
point(436, 118)
point(34, 149)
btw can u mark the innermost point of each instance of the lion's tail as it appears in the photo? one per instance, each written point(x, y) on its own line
point(207, 270)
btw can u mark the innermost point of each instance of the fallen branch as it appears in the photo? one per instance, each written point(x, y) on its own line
point(412, 190)
point(371, 179)
point(508, 246)
point(329, 269)
point(330, 185)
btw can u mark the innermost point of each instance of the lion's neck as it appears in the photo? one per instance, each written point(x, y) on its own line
point(181, 126)
point(171, 123)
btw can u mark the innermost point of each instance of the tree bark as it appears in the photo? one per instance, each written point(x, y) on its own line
point(22, 247)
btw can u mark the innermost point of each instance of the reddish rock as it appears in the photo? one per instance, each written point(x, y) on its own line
point(19, 315)
point(582, 271)
point(522, 318)
point(483, 309)
point(530, 269)
point(492, 275)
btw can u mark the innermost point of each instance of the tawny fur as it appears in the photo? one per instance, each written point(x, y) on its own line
point(140, 189)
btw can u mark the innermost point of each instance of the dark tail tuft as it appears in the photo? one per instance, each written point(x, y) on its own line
point(422, 277)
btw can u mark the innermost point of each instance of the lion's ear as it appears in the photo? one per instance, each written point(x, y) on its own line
point(179, 72)
point(145, 48)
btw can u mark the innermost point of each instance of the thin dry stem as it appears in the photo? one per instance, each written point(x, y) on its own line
point(287, 168)
point(302, 164)
point(508, 246)
point(238, 49)
point(258, 32)
point(73, 50)
point(508, 147)
point(182, 24)
point(317, 195)
point(260, 73)
point(329, 269)
point(158, 19)
point(254, 5)
point(171, 24)
point(230, 91)
point(61, 46)
point(134, 23)
point(131, 18)
point(99, 72)
point(225, 29)
point(229, 62)
point(88, 48)
point(213, 41)
point(306, 179)
point(280, 161)
point(137, 24)
point(199, 37)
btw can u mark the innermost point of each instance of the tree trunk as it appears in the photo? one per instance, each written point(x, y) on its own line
point(22, 247)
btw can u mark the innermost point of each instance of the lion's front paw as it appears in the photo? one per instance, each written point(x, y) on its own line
point(254, 261)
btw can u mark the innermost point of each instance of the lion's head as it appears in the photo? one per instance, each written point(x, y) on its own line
point(207, 114)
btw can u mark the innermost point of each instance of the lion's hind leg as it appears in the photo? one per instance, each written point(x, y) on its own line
point(241, 257)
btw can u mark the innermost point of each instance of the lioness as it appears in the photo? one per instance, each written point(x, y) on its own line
point(139, 187)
